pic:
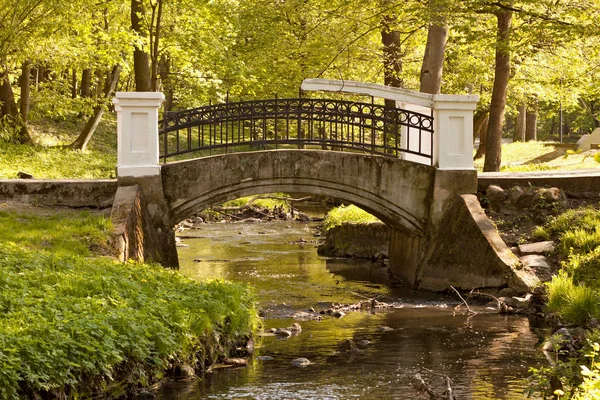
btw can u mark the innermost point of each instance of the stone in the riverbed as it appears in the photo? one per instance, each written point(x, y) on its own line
point(296, 328)
point(264, 358)
point(506, 292)
point(283, 333)
point(338, 314)
point(183, 371)
point(537, 248)
point(301, 362)
point(302, 315)
point(363, 344)
point(495, 194)
point(347, 346)
point(236, 362)
point(145, 395)
point(535, 261)
point(386, 329)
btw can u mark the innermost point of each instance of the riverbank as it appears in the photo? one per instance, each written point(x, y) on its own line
point(75, 323)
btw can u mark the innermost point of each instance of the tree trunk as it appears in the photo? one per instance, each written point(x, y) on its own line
point(74, 84)
point(519, 135)
point(9, 110)
point(480, 125)
point(595, 116)
point(86, 83)
point(90, 127)
point(531, 125)
point(493, 148)
point(155, 48)
point(25, 83)
point(165, 76)
point(435, 49)
point(392, 56)
point(141, 65)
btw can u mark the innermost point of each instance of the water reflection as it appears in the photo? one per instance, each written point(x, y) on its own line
point(487, 356)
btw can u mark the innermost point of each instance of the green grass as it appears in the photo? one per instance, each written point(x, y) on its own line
point(339, 215)
point(261, 202)
point(73, 326)
point(48, 160)
point(540, 156)
point(575, 304)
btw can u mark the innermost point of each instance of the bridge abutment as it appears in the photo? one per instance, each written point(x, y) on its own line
point(137, 166)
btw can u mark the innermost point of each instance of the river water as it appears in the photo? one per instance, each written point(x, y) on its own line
point(487, 356)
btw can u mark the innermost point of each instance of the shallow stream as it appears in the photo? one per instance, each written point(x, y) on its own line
point(487, 356)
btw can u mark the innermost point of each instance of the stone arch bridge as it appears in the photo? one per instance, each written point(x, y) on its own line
point(406, 165)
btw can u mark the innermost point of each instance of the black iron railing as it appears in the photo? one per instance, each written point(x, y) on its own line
point(297, 123)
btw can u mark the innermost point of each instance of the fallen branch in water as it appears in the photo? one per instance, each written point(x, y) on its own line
point(419, 384)
point(469, 311)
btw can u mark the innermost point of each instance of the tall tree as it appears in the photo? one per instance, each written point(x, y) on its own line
point(141, 63)
point(493, 149)
point(435, 49)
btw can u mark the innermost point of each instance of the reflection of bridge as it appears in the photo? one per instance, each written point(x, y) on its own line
point(404, 164)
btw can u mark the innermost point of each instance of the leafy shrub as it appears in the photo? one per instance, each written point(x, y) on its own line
point(585, 268)
point(575, 304)
point(74, 326)
point(337, 216)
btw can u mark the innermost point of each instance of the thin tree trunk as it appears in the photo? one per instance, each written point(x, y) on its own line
point(155, 48)
point(74, 83)
point(90, 127)
point(141, 65)
point(435, 49)
point(531, 125)
point(9, 110)
point(25, 83)
point(521, 121)
point(165, 72)
point(86, 83)
point(480, 128)
point(493, 149)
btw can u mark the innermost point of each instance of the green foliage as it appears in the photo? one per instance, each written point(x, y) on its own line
point(73, 326)
point(585, 268)
point(590, 387)
point(575, 304)
point(339, 215)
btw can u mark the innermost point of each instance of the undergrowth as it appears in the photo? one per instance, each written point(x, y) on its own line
point(76, 326)
point(339, 215)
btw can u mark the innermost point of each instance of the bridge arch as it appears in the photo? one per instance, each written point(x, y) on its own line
point(396, 191)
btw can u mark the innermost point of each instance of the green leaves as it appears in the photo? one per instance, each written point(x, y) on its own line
point(75, 325)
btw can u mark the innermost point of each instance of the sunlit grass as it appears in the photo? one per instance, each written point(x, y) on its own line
point(48, 160)
point(339, 215)
point(540, 156)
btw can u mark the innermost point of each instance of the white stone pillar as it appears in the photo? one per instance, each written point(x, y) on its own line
point(137, 130)
point(453, 131)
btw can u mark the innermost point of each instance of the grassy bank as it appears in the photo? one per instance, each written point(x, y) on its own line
point(73, 324)
point(339, 215)
point(540, 156)
point(574, 296)
point(47, 159)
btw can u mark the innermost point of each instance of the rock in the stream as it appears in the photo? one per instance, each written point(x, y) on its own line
point(386, 329)
point(347, 346)
point(302, 316)
point(363, 344)
point(236, 362)
point(338, 314)
point(283, 333)
point(535, 261)
point(183, 371)
point(301, 362)
point(561, 339)
point(296, 328)
point(264, 358)
point(537, 248)
point(507, 292)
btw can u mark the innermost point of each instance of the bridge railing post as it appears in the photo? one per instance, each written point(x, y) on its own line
point(137, 133)
point(453, 131)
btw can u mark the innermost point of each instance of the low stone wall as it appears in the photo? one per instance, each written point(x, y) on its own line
point(68, 193)
point(357, 240)
point(576, 181)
